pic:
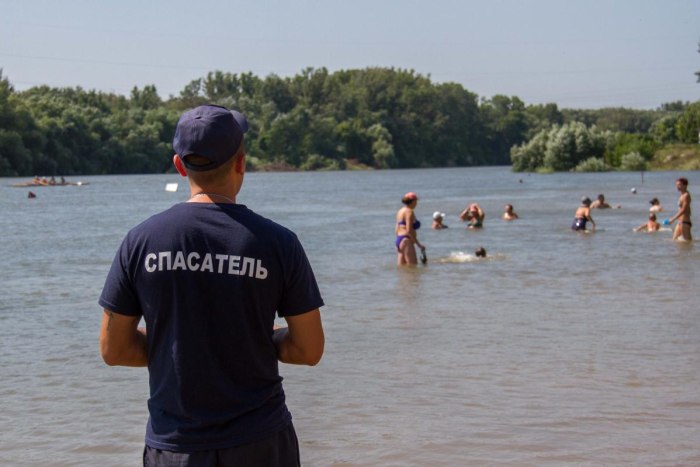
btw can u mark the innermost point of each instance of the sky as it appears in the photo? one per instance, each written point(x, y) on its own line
point(575, 53)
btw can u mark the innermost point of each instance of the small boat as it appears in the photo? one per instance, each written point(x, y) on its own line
point(40, 183)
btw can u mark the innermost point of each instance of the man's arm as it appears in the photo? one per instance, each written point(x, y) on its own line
point(302, 341)
point(122, 342)
point(590, 218)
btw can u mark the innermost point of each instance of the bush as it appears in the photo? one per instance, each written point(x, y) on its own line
point(529, 156)
point(625, 143)
point(560, 148)
point(593, 164)
point(633, 162)
point(318, 162)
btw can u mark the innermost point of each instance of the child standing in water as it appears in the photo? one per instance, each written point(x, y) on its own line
point(583, 215)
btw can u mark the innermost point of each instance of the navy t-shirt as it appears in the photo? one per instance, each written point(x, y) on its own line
point(208, 280)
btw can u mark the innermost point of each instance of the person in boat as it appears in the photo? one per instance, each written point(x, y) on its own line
point(682, 230)
point(208, 277)
point(474, 215)
point(405, 230)
point(583, 216)
point(651, 225)
point(509, 214)
point(438, 217)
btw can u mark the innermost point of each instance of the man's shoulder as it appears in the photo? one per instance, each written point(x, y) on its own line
point(228, 217)
point(156, 220)
point(247, 217)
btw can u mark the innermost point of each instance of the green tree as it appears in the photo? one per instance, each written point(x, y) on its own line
point(529, 156)
point(145, 99)
point(542, 117)
point(17, 133)
point(688, 124)
point(663, 130)
point(560, 148)
point(507, 122)
point(626, 143)
point(570, 144)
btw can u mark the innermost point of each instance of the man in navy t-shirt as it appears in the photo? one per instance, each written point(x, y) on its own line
point(208, 277)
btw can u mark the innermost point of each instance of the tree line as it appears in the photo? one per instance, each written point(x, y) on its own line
point(375, 117)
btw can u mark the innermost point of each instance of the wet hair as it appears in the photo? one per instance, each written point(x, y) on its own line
point(480, 252)
point(683, 180)
point(586, 201)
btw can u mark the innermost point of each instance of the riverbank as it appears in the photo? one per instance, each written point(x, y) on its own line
point(677, 157)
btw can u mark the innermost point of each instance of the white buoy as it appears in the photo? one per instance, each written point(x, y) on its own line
point(171, 187)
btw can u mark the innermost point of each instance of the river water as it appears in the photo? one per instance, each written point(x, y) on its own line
point(558, 349)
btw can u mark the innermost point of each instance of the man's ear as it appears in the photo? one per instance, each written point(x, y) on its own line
point(240, 164)
point(177, 162)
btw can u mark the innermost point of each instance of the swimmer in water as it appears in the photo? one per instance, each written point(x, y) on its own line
point(509, 214)
point(655, 205)
point(583, 216)
point(475, 215)
point(649, 226)
point(406, 226)
point(600, 203)
point(480, 252)
point(437, 221)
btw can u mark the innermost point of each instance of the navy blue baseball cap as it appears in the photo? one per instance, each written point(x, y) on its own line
point(209, 131)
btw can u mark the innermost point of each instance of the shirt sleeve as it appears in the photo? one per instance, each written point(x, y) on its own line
point(300, 292)
point(118, 294)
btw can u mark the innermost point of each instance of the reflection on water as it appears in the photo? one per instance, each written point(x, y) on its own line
point(557, 348)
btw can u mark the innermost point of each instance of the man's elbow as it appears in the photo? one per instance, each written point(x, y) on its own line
point(109, 359)
point(311, 354)
point(109, 355)
point(313, 357)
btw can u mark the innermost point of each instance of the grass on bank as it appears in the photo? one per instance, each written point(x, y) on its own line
point(676, 157)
